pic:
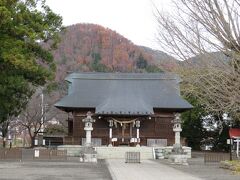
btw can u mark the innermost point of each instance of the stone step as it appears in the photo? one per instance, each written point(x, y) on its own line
point(104, 152)
point(72, 150)
point(119, 152)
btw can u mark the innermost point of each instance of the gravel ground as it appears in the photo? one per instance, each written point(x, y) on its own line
point(54, 171)
point(208, 171)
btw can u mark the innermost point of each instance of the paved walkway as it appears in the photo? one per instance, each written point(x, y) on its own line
point(146, 170)
point(208, 171)
point(53, 171)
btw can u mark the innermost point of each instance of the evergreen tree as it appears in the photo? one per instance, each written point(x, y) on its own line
point(193, 125)
point(141, 62)
point(25, 25)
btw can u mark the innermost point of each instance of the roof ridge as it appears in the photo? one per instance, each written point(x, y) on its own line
point(124, 76)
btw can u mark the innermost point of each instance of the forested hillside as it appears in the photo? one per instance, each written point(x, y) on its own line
point(162, 59)
point(89, 47)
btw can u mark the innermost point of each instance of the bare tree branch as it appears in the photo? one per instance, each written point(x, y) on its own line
point(206, 34)
point(37, 115)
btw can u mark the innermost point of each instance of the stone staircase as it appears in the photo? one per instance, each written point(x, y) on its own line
point(72, 150)
point(119, 152)
point(104, 152)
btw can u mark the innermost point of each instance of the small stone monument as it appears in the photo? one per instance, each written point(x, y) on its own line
point(177, 155)
point(87, 153)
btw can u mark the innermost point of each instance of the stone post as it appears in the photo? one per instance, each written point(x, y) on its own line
point(88, 128)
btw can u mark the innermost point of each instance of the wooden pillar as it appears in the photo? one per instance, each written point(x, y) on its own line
point(110, 132)
point(130, 130)
point(123, 128)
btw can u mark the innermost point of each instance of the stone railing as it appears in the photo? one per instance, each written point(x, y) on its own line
point(164, 152)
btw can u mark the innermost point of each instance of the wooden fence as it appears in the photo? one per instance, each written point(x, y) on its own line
point(10, 154)
point(32, 154)
point(215, 157)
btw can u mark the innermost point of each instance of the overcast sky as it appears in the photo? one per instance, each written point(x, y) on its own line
point(133, 19)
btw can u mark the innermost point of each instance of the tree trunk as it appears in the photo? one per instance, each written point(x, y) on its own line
point(33, 137)
point(4, 132)
point(33, 141)
point(4, 141)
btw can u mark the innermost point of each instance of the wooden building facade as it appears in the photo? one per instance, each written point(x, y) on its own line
point(128, 108)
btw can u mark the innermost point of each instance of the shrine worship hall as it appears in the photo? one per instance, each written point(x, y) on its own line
point(126, 109)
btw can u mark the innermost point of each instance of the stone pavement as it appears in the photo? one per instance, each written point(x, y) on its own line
point(53, 171)
point(208, 171)
point(146, 170)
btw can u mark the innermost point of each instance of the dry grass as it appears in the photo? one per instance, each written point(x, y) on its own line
point(232, 165)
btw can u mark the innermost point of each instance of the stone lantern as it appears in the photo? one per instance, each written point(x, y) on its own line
point(177, 129)
point(178, 156)
point(88, 127)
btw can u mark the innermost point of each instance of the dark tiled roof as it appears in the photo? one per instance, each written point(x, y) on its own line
point(123, 93)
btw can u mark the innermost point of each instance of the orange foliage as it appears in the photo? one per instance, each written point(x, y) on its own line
point(83, 44)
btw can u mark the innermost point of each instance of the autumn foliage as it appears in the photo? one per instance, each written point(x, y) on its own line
point(89, 47)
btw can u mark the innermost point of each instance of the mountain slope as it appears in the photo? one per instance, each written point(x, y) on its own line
point(89, 47)
point(162, 59)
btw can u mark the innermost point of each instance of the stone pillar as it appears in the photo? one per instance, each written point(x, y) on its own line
point(137, 133)
point(177, 129)
point(88, 128)
point(110, 132)
point(177, 137)
point(88, 135)
point(138, 137)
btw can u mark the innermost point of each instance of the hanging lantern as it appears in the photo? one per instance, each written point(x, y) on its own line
point(137, 123)
point(110, 123)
